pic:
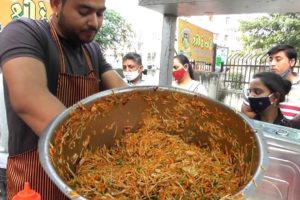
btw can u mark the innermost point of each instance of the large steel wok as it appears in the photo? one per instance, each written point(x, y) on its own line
point(60, 150)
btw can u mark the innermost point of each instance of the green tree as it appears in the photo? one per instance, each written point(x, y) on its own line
point(116, 35)
point(260, 34)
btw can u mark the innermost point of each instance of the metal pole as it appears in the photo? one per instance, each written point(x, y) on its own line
point(167, 50)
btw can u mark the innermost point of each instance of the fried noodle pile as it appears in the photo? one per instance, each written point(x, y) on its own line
point(156, 161)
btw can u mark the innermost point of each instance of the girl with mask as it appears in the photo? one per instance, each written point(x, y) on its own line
point(267, 90)
point(184, 77)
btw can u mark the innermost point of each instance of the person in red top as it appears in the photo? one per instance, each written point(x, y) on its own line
point(48, 66)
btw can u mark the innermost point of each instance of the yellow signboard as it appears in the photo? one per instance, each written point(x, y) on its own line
point(194, 42)
point(13, 9)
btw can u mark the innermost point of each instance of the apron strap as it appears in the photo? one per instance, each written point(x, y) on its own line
point(87, 58)
point(56, 40)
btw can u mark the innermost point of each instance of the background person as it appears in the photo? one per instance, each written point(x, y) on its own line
point(133, 70)
point(265, 92)
point(184, 75)
point(48, 66)
point(282, 59)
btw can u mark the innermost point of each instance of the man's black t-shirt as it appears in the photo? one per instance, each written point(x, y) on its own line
point(32, 38)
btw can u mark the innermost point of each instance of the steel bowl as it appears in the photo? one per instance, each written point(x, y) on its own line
point(60, 150)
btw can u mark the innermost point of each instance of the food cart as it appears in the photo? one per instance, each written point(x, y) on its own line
point(282, 177)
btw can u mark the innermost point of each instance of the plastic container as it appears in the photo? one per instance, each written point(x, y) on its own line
point(27, 194)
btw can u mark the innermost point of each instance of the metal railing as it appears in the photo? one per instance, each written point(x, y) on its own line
point(239, 69)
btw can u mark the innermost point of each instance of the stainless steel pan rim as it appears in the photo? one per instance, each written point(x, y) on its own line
point(43, 146)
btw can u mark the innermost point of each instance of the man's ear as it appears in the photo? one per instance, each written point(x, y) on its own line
point(56, 5)
point(141, 68)
point(292, 62)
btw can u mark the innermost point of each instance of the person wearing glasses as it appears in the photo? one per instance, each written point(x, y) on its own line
point(282, 59)
point(265, 93)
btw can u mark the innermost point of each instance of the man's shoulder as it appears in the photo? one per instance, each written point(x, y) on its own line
point(296, 81)
point(25, 21)
point(148, 80)
point(24, 27)
point(24, 36)
point(293, 96)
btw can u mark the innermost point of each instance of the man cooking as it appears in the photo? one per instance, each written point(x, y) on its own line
point(48, 66)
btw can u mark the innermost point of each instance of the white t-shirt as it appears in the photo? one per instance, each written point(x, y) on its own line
point(143, 82)
point(291, 106)
point(194, 86)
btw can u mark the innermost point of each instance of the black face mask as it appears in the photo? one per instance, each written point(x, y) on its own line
point(259, 104)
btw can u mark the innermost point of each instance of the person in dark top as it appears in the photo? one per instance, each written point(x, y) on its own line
point(48, 66)
point(265, 92)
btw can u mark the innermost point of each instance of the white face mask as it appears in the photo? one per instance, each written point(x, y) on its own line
point(130, 76)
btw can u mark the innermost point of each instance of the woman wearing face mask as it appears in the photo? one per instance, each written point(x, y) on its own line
point(184, 77)
point(267, 90)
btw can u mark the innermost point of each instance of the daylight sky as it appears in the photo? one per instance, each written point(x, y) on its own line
point(147, 25)
point(141, 18)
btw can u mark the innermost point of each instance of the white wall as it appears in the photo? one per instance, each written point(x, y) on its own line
point(3, 127)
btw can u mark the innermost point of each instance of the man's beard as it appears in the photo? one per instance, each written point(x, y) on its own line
point(68, 33)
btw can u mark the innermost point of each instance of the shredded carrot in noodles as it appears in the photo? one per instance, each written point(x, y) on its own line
point(163, 158)
point(155, 165)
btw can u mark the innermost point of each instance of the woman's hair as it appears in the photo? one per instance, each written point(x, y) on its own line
point(275, 83)
point(184, 60)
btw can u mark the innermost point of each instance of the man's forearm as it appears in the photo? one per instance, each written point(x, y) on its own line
point(40, 112)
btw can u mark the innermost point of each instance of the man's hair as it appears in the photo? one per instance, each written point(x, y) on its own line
point(62, 1)
point(133, 56)
point(289, 51)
